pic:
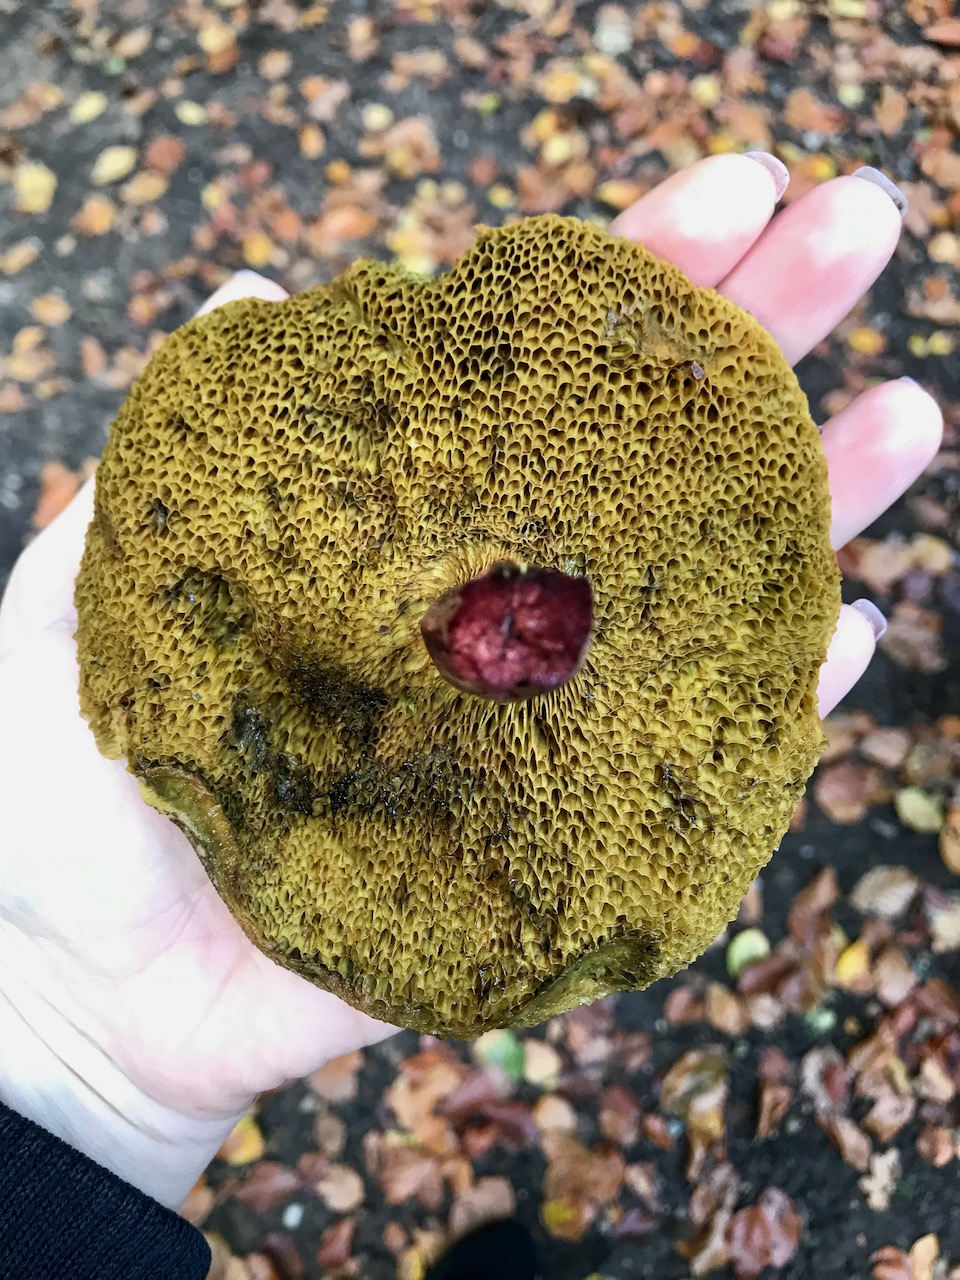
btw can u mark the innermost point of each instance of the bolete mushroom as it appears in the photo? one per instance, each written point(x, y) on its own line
point(469, 628)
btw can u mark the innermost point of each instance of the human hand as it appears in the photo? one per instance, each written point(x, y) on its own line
point(136, 1019)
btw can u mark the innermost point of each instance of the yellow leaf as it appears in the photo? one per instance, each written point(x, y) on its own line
point(50, 309)
point(619, 192)
point(18, 257)
point(852, 964)
point(113, 164)
point(257, 249)
point(144, 187)
point(34, 185)
point(215, 37)
point(88, 106)
point(190, 113)
point(867, 341)
point(244, 1143)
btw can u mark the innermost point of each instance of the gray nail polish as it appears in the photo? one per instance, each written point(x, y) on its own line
point(911, 382)
point(878, 623)
point(885, 184)
point(777, 170)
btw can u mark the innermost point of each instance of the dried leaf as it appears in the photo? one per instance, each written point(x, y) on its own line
point(879, 1184)
point(113, 164)
point(337, 1081)
point(695, 1089)
point(619, 1115)
point(341, 1189)
point(884, 891)
point(764, 1235)
point(244, 1143)
point(849, 1139)
point(578, 1182)
point(268, 1185)
point(337, 1245)
point(488, 1200)
point(35, 185)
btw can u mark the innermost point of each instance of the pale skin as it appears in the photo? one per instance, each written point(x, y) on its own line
point(137, 1022)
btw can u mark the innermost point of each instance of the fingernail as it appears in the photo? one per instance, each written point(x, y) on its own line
point(885, 184)
point(911, 382)
point(777, 170)
point(878, 623)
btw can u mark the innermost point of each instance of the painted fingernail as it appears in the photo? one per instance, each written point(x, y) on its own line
point(777, 170)
point(885, 184)
point(911, 382)
point(878, 623)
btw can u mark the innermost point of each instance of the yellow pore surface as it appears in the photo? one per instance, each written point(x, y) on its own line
point(288, 488)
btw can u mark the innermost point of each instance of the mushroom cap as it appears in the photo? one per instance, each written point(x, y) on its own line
point(290, 486)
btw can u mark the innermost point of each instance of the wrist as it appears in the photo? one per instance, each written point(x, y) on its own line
point(56, 1075)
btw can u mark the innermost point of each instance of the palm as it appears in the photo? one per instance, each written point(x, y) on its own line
point(105, 911)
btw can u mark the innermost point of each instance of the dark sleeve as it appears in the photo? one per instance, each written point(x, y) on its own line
point(63, 1217)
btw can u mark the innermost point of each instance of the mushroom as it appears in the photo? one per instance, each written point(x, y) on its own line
point(477, 649)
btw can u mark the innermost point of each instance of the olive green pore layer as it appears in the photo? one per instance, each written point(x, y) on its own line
point(287, 489)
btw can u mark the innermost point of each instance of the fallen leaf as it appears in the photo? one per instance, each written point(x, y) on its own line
point(488, 1200)
point(578, 1182)
point(113, 164)
point(337, 1081)
point(949, 842)
point(849, 1139)
point(336, 1246)
point(541, 1063)
point(880, 1182)
point(618, 1115)
point(764, 1235)
point(35, 185)
point(695, 1089)
point(774, 1103)
point(268, 1185)
point(95, 218)
point(244, 1143)
point(884, 891)
point(50, 309)
point(553, 1112)
point(341, 1189)
point(919, 810)
point(424, 1081)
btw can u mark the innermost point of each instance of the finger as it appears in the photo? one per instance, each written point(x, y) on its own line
point(859, 627)
point(40, 591)
point(875, 449)
point(816, 260)
point(245, 284)
point(705, 218)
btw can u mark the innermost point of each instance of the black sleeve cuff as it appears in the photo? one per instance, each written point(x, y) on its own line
point(63, 1217)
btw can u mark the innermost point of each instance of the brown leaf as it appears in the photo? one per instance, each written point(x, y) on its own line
point(764, 1235)
point(337, 1080)
point(283, 1254)
point(849, 1139)
point(711, 1208)
point(824, 1080)
point(578, 1182)
point(268, 1185)
point(337, 1245)
point(890, 1112)
point(329, 1133)
point(695, 1089)
point(341, 1189)
point(807, 918)
point(725, 1011)
point(884, 891)
point(619, 1115)
point(947, 31)
point(936, 1144)
point(890, 1263)
point(775, 1101)
point(488, 1200)
point(840, 791)
point(407, 1173)
point(165, 154)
